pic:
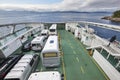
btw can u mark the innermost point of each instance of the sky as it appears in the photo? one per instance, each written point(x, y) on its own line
point(61, 5)
point(29, 1)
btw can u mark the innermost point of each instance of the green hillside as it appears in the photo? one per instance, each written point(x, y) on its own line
point(116, 14)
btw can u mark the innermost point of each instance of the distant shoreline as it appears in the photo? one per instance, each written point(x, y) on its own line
point(111, 18)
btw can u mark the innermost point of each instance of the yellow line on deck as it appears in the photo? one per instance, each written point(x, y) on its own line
point(63, 65)
point(82, 70)
point(77, 59)
point(68, 41)
point(69, 44)
point(74, 52)
point(107, 78)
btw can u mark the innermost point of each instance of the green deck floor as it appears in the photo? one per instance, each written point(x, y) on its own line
point(77, 65)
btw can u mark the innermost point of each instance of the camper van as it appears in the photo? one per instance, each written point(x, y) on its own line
point(48, 75)
point(23, 68)
point(53, 29)
point(45, 33)
point(38, 43)
point(50, 54)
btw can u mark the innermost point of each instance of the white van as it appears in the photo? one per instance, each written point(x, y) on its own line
point(48, 75)
point(19, 72)
point(38, 43)
point(53, 29)
point(45, 33)
point(23, 68)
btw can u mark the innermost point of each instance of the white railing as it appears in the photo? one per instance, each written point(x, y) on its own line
point(111, 72)
point(14, 44)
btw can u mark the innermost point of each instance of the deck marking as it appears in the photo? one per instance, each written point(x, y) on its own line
point(74, 52)
point(63, 65)
point(77, 59)
point(71, 46)
point(85, 51)
point(68, 40)
point(82, 69)
point(107, 78)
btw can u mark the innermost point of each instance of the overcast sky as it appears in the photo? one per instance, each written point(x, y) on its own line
point(61, 5)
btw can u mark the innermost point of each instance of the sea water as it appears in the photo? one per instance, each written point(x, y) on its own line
point(7, 17)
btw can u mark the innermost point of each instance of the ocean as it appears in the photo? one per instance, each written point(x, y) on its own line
point(7, 17)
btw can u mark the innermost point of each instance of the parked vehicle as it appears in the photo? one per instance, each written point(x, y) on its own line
point(38, 43)
point(7, 64)
point(25, 66)
point(26, 46)
point(53, 29)
point(45, 33)
point(50, 54)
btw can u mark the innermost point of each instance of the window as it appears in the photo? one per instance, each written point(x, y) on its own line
point(33, 44)
point(51, 41)
point(52, 30)
point(43, 34)
point(5, 48)
point(13, 79)
point(31, 62)
point(37, 45)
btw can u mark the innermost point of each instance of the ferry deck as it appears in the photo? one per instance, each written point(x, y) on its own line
point(76, 63)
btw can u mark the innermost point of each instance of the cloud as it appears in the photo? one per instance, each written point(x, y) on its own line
point(91, 5)
point(68, 5)
point(103, 5)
